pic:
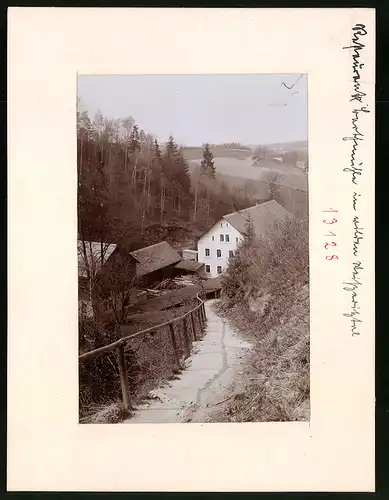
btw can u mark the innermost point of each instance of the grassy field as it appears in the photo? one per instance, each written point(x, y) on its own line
point(240, 174)
point(244, 170)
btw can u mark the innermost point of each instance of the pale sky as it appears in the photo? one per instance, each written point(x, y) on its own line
point(204, 108)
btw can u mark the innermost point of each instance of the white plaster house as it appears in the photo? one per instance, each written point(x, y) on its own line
point(219, 243)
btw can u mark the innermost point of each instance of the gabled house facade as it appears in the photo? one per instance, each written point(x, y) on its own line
point(220, 242)
point(217, 245)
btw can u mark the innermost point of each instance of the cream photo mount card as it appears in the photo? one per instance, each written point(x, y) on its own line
point(282, 402)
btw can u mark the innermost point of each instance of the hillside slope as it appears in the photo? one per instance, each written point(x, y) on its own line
point(274, 383)
point(265, 295)
point(240, 174)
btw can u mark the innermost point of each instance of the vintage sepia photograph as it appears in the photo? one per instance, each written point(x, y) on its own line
point(211, 256)
point(193, 248)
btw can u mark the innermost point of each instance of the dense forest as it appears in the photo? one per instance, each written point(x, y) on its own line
point(129, 184)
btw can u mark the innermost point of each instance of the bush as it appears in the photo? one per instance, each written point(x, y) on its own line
point(266, 295)
point(272, 264)
point(150, 361)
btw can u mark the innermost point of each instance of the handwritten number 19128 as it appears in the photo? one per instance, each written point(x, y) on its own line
point(329, 244)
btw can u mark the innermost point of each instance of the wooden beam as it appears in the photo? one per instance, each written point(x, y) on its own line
point(100, 350)
point(201, 315)
point(111, 347)
point(174, 343)
point(198, 318)
point(193, 326)
point(121, 358)
point(186, 338)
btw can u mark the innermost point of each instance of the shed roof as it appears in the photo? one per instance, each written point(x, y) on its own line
point(212, 284)
point(190, 265)
point(154, 257)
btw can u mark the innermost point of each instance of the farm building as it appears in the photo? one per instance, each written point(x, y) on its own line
point(155, 263)
point(219, 243)
point(191, 267)
point(189, 254)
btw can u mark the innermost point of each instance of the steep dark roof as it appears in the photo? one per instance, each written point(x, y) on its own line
point(261, 216)
point(154, 257)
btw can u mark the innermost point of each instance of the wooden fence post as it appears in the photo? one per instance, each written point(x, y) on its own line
point(198, 317)
point(204, 315)
point(193, 326)
point(186, 337)
point(121, 359)
point(174, 343)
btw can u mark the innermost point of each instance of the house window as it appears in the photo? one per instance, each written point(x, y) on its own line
point(227, 237)
point(222, 237)
point(213, 238)
point(219, 252)
point(221, 224)
point(219, 269)
point(227, 224)
point(231, 253)
point(237, 239)
point(208, 269)
point(207, 252)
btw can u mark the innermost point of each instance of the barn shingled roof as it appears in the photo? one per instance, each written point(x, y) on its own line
point(154, 257)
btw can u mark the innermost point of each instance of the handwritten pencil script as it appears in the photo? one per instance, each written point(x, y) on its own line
point(355, 171)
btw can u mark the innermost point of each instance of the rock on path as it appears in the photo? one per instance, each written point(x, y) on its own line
point(204, 382)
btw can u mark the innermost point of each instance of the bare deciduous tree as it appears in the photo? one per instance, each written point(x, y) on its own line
point(274, 187)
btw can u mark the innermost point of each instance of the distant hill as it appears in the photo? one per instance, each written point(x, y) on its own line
point(244, 170)
point(196, 153)
point(296, 145)
point(293, 182)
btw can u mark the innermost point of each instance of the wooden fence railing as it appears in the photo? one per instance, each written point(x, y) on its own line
point(120, 345)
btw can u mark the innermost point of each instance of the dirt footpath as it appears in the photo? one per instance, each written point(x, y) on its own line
point(204, 383)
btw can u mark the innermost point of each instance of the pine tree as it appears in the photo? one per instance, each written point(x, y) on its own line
point(182, 173)
point(171, 151)
point(175, 165)
point(207, 166)
point(248, 235)
point(157, 155)
point(134, 141)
